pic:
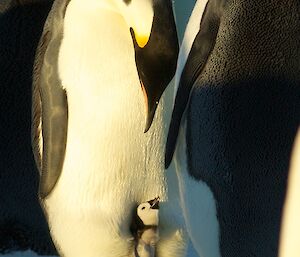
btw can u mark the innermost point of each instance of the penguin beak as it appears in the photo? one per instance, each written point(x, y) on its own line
point(154, 203)
point(157, 59)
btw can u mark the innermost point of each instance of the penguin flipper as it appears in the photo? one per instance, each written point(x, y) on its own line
point(201, 49)
point(50, 107)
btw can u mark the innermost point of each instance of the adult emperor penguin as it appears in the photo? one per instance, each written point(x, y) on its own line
point(235, 117)
point(101, 66)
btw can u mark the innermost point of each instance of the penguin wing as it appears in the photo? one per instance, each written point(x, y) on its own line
point(49, 103)
point(201, 49)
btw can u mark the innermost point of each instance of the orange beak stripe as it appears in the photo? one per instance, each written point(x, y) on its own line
point(145, 96)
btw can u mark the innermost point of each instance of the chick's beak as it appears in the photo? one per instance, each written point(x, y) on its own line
point(154, 203)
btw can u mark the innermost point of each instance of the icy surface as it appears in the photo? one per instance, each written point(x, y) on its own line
point(190, 253)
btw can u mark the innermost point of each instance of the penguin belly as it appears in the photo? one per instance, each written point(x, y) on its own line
point(110, 164)
point(198, 203)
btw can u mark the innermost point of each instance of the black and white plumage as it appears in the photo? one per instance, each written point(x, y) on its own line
point(101, 69)
point(234, 121)
point(145, 228)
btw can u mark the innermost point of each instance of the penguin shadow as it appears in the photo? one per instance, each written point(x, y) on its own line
point(22, 222)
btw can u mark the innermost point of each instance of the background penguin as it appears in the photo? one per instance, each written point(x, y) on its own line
point(89, 121)
point(237, 112)
point(22, 223)
point(145, 228)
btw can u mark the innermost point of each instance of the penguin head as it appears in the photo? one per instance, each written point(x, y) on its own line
point(138, 15)
point(148, 212)
point(153, 31)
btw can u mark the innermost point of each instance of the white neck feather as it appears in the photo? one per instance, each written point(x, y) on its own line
point(102, 4)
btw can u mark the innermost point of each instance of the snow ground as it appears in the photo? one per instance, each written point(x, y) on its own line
point(191, 253)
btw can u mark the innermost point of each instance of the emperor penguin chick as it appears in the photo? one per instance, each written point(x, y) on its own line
point(145, 228)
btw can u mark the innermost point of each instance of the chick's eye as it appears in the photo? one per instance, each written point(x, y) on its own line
point(143, 208)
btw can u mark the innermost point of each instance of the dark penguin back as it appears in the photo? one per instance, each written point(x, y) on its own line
point(242, 119)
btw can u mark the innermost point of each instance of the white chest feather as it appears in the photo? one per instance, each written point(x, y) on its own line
point(290, 241)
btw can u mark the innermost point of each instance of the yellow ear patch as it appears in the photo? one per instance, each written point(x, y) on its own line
point(142, 40)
